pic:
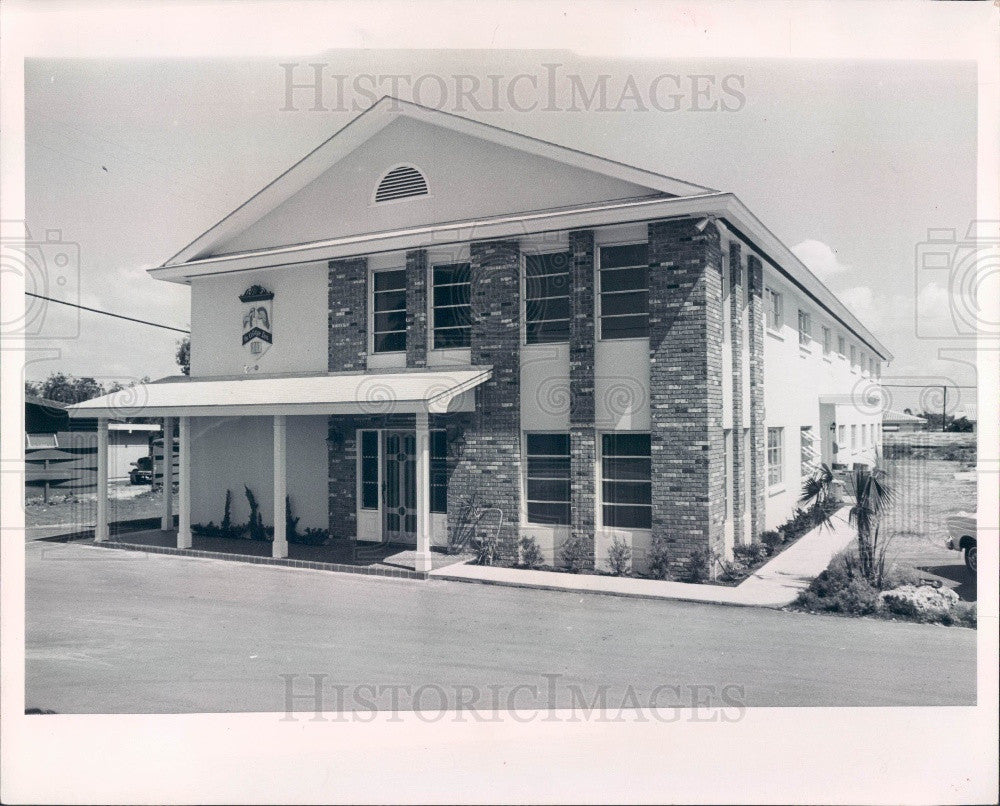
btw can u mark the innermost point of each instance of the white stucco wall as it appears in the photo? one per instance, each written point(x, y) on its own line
point(299, 320)
point(795, 378)
point(458, 168)
point(227, 453)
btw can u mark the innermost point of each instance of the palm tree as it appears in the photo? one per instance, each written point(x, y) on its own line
point(818, 495)
point(873, 496)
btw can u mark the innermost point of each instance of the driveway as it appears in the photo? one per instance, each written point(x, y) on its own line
point(118, 631)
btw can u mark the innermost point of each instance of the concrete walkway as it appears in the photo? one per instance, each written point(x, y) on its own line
point(775, 584)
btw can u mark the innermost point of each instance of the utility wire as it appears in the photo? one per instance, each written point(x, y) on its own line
point(107, 313)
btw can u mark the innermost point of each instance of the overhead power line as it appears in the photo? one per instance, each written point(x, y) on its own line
point(107, 313)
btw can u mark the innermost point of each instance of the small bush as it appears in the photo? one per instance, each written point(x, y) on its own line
point(575, 556)
point(840, 588)
point(619, 557)
point(920, 602)
point(964, 614)
point(531, 554)
point(659, 558)
point(771, 539)
point(698, 567)
point(749, 554)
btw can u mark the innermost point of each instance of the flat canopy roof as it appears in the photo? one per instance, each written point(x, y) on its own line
point(435, 391)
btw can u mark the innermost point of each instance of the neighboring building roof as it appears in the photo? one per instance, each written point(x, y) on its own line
point(399, 392)
point(34, 400)
point(901, 417)
point(970, 411)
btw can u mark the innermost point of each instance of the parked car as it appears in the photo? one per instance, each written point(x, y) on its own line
point(142, 471)
point(962, 531)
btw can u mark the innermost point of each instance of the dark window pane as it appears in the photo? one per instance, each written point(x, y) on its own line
point(546, 332)
point(625, 444)
point(451, 295)
point(551, 308)
point(624, 279)
point(439, 445)
point(625, 492)
point(549, 444)
point(390, 342)
point(625, 327)
point(385, 322)
point(451, 273)
point(548, 513)
point(549, 285)
point(627, 469)
point(553, 263)
point(542, 490)
point(451, 317)
point(548, 468)
point(626, 517)
point(439, 498)
point(369, 495)
point(390, 301)
point(631, 255)
point(369, 444)
point(459, 337)
point(627, 303)
point(390, 280)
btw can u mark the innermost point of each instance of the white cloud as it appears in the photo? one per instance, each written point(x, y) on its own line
point(820, 259)
point(933, 300)
point(860, 300)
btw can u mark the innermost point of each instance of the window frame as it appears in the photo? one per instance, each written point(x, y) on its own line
point(779, 463)
point(526, 477)
point(827, 341)
point(371, 311)
point(432, 308)
point(524, 294)
point(805, 328)
point(601, 503)
point(599, 294)
point(771, 295)
point(807, 466)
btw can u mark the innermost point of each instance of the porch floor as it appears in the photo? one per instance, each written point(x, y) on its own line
point(383, 559)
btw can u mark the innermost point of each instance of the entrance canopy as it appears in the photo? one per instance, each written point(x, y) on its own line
point(423, 391)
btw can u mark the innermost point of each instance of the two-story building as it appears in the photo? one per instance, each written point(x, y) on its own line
point(428, 311)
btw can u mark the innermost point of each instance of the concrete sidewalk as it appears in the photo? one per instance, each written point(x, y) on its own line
point(775, 584)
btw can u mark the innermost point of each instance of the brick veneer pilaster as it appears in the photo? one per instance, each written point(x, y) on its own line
point(583, 445)
point(488, 453)
point(685, 342)
point(416, 308)
point(758, 432)
point(348, 317)
point(341, 451)
point(735, 314)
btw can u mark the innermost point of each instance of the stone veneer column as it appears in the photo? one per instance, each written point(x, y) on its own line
point(735, 314)
point(416, 308)
point(347, 351)
point(488, 453)
point(685, 342)
point(583, 436)
point(758, 432)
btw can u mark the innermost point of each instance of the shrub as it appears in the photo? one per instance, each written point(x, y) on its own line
point(256, 524)
point(575, 555)
point(698, 567)
point(899, 575)
point(531, 554)
point(227, 523)
point(771, 539)
point(749, 554)
point(964, 614)
point(312, 536)
point(659, 558)
point(619, 557)
point(486, 544)
point(840, 588)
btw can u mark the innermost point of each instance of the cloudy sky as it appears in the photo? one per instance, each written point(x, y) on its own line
point(849, 163)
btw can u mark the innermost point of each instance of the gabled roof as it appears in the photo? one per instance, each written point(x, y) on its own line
point(376, 118)
point(891, 416)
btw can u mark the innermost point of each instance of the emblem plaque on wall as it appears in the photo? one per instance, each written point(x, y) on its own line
point(257, 319)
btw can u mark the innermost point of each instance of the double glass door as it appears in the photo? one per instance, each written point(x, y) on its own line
point(399, 487)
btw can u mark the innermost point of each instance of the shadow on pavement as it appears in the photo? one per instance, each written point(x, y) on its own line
point(966, 587)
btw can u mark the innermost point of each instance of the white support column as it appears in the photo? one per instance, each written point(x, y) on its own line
point(167, 517)
point(423, 561)
point(184, 484)
point(279, 548)
point(101, 531)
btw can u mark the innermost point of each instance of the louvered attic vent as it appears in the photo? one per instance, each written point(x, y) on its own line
point(401, 183)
